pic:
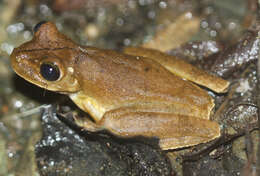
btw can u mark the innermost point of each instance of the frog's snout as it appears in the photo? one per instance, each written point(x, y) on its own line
point(23, 66)
point(15, 58)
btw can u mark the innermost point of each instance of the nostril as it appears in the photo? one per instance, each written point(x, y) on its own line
point(37, 26)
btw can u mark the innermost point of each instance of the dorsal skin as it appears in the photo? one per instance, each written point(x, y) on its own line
point(103, 81)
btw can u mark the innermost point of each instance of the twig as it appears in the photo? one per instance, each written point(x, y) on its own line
point(258, 91)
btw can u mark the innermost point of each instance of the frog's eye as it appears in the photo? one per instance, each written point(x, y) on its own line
point(50, 71)
point(37, 26)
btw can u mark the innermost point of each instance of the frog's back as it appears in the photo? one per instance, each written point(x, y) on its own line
point(116, 80)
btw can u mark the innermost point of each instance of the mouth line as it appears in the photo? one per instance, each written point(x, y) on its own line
point(26, 72)
point(38, 83)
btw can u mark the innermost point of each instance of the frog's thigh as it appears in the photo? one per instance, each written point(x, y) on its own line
point(181, 68)
point(174, 131)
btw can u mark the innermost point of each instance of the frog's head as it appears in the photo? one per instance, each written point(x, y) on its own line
point(47, 60)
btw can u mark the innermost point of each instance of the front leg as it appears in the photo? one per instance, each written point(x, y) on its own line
point(87, 124)
point(174, 131)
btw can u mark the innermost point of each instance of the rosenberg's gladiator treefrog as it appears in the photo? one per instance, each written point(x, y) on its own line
point(141, 92)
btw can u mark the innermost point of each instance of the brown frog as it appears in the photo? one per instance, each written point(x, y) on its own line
point(141, 92)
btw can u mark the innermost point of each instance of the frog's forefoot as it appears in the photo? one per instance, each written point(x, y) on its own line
point(87, 124)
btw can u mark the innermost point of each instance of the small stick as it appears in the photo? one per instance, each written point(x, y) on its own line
point(258, 91)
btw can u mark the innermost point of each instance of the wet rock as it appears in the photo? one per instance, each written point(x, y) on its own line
point(196, 51)
point(226, 165)
point(233, 58)
point(66, 150)
point(239, 110)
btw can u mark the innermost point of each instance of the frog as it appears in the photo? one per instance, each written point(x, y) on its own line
point(129, 93)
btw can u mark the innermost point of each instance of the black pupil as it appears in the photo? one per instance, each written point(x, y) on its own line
point(50, 71)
